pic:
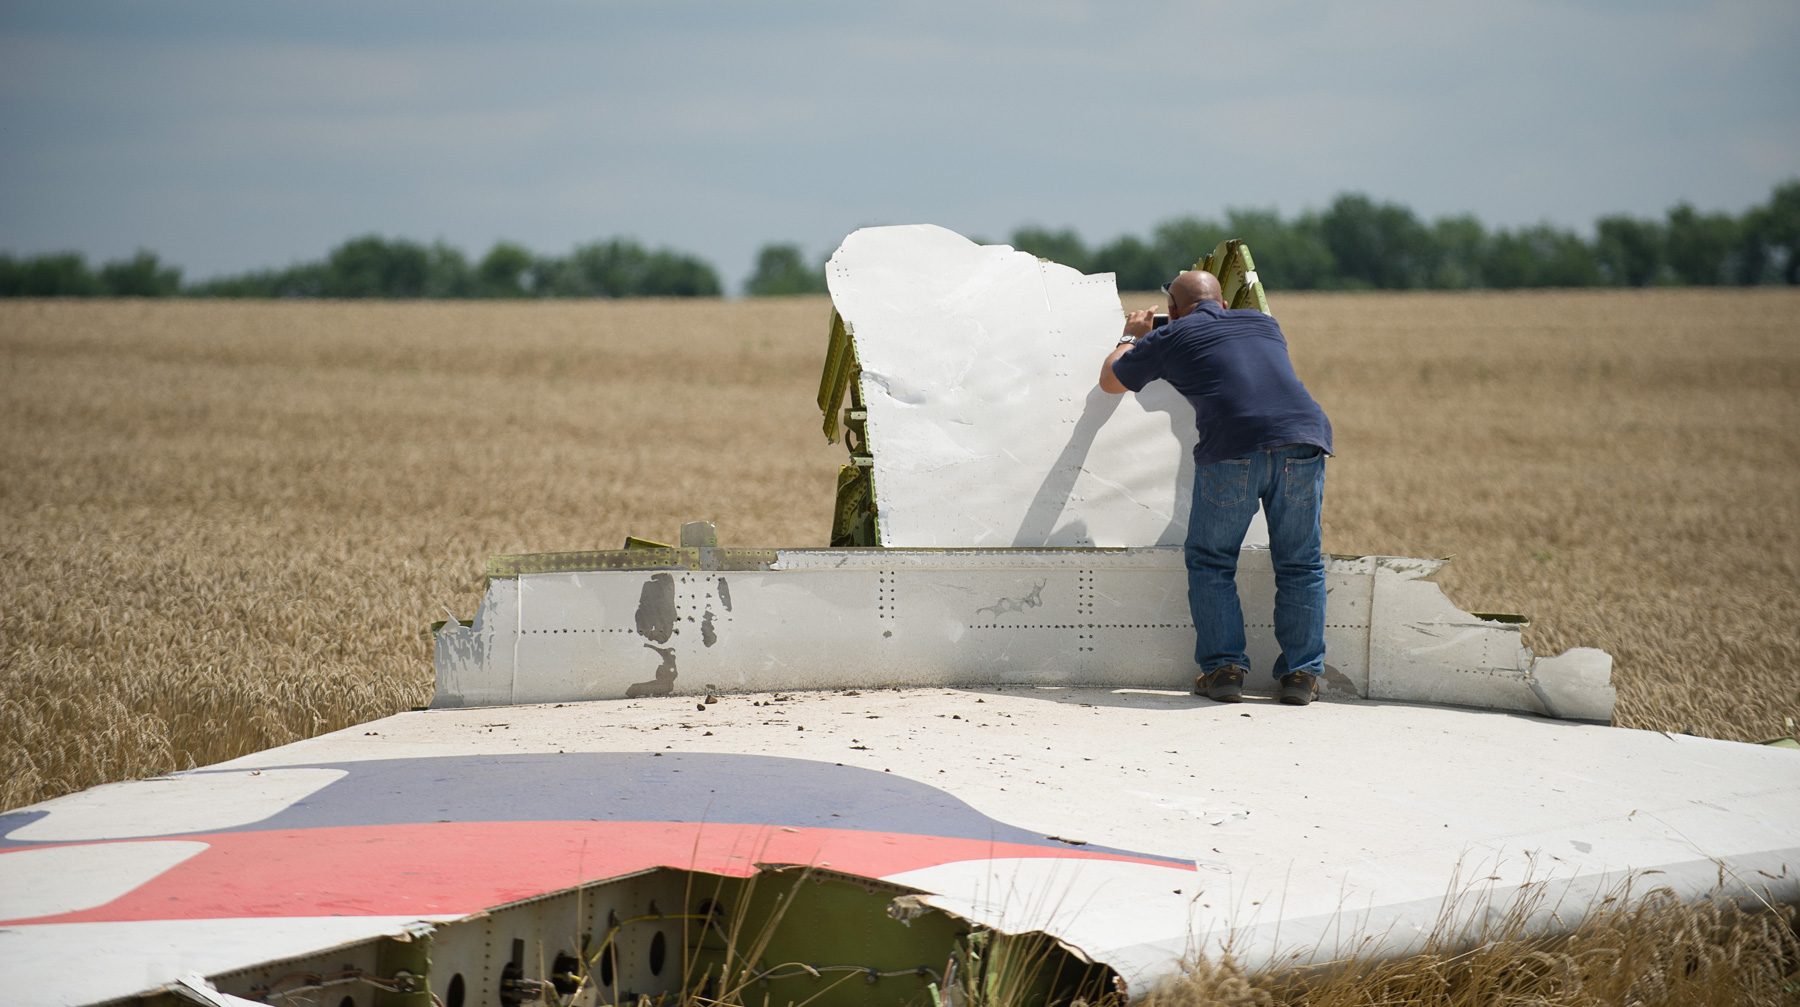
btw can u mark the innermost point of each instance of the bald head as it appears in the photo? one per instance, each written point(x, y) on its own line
point(1190, 288)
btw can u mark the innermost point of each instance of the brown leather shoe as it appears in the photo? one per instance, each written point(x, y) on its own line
point(1224, 684)
point(1299, 688)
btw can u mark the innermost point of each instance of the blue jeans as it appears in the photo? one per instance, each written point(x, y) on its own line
point(1290, 483)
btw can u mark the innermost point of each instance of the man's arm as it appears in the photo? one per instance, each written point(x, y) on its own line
point(1136, 324)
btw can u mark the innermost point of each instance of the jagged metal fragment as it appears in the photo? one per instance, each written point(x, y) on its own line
point(976, 368)
point(687, 622)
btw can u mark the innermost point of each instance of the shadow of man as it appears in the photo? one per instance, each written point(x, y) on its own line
point(1038, 528)
point(1053, 494)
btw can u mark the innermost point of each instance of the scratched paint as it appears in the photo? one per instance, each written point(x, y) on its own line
point(1006, 605)
point(656, 608)
point(1337, 681)
point(664, 682)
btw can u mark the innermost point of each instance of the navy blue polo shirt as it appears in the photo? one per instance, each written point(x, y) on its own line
point(1234, 367)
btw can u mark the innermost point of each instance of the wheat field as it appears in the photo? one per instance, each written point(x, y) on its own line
point(226, 524)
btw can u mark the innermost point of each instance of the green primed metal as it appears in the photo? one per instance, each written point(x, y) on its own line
point(658, 558)
point(792, 935)
point(1786, 740)
point(799, 934)
point(994, 969)
point(1232, 264)
point(406, 963)
point(699, 535)
point(853, 518)
point(840, 372)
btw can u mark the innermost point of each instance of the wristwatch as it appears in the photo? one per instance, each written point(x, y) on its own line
point(1128, 339)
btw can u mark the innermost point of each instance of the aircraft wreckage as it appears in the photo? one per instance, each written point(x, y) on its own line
point(950, 758)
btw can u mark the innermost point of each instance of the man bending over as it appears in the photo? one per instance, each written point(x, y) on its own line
point(1262, 439)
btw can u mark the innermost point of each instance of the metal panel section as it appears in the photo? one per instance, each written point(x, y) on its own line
point(168, 805)
point(563, 620)
point(979, 369)
point(1575, 685)
point(840, 369)
point(856, 618)
point(86, 963)
point(1236, 270)
point(474, 664)
point(785, 934)
point(653, 558)
point(1424, 649)
point(54, 880)
point(1138, 826)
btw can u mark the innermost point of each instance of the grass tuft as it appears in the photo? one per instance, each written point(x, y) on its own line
point(1654, 950)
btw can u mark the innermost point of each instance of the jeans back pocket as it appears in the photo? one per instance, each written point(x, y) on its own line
point(1302, 478)
point(1226, 483)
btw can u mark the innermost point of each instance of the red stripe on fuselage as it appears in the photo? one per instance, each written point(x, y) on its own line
point(456, 868)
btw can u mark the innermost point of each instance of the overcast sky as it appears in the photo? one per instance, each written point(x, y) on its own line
point(231, 134)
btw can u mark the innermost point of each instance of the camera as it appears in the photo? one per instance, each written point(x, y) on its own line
point(1158, 320)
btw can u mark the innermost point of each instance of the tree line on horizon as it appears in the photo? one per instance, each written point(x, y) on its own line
point(397, 268)
point(1359, 244)
point(1355, 243)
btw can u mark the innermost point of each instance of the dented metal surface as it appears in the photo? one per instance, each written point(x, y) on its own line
point(847, 618)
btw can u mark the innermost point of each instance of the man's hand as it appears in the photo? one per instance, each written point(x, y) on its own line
point(1137, 323)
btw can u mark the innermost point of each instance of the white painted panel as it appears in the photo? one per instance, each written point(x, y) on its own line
point(195, 986)
point(781, 627)
point(1576, 684)
point(475, 663)
point(189, 802)
point(578, 633)
point(1424, 649)
point(1306, 825)
point(1091, 904)
point(1348, 597)
point(828, 619)
point(84, 963)
point(66, 879)
point(980, 375)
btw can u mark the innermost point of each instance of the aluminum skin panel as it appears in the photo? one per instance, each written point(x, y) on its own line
point(1425, 648)
point(831, 618)
point(980, 368)
point(1198, 824)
